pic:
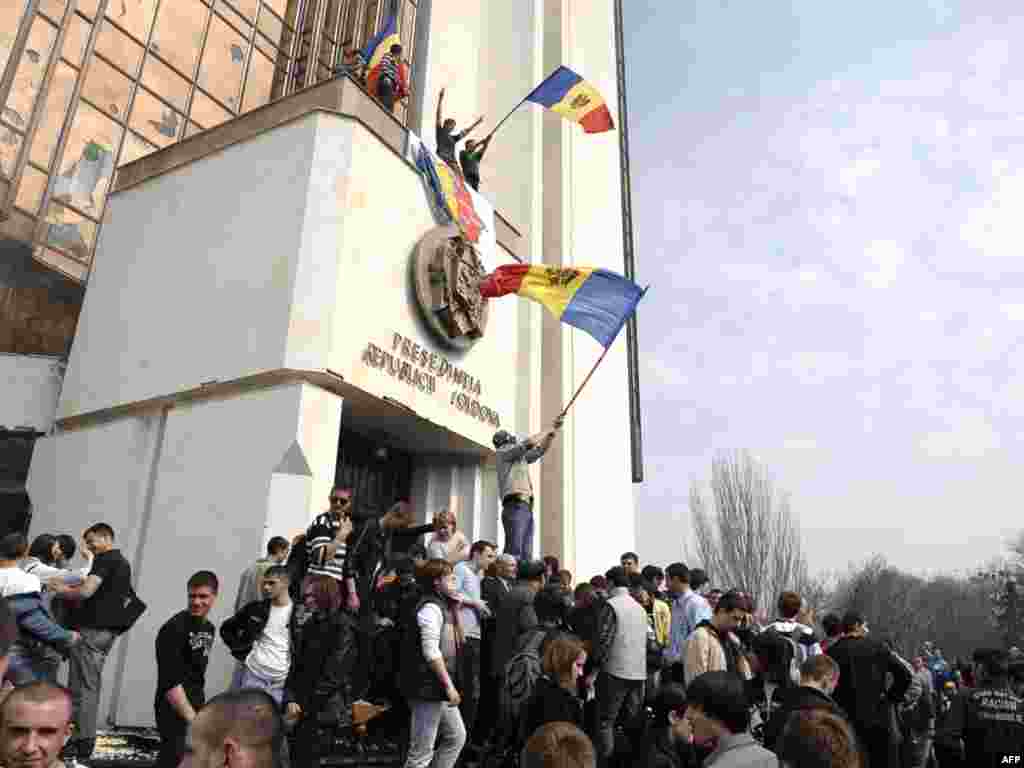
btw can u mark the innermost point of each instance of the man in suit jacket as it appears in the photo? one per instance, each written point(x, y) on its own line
point(496, 587)
point(863, 664)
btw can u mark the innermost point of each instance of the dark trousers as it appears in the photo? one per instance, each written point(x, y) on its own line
point(386, 93)
point(879, 746)
point(517, 519)
point(173, 731)
point(310, 742)
point(469, 685)
point(474, 182)
point(615, 697)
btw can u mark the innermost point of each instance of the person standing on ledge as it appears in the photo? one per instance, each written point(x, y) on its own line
point(516, 488)
point(446, 136)
point(470, 159)
point(393, 81)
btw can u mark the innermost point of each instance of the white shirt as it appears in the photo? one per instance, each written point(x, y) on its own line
point(270, 656)
point(14, 581)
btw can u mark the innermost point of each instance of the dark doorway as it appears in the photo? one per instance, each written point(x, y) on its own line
point(15, 454)
point(379, 475)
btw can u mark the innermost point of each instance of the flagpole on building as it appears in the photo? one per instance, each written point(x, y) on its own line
point(583, 384)
point(506, 117)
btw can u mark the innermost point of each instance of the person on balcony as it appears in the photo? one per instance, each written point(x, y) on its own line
point(393, 80)
point(446, 136)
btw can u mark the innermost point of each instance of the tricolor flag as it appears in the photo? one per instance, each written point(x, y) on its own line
point(453, 199)
point(375, 50)
point(594, 300)
point(575, 99)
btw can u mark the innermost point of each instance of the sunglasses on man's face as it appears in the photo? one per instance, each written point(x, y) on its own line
point(340, 501)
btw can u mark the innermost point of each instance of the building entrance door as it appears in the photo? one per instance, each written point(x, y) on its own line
point(377, 474)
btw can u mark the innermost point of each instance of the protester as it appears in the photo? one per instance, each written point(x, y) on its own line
point(818, 738)
point(42, 562)
point(259, 636)
point(788, 624)
point(671, 735)
point(688, 610)
point(182, 653)
point(448, 542)
point(559, 745)
point(327, 544)
point(862, 692)
point(819, 676)
point(250, 586)
point(919, 721)
point(656, 576)
point(317, 692)
point(516, 616)
point(470, 159)
point(35, 721)
point(238, 729)
point(515, 487)
point(34, 655)
point(445, 134)
point(986, 724)
point(600, 585)
point(473, 613)
point(8, 635)
point(620, 685)
point(833, 627)
point(630, 561)
point(718, 713)
point(99, 618)
point(68, 548)
point(556, 696)
point(393, 80)
point(353, 63)
point(429, 661)
point(699, 582)
point(713, 645)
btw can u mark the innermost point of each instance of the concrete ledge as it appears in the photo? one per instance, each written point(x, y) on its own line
point(340, 96)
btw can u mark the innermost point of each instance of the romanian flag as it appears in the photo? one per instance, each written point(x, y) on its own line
point(594, 300)
point(450, 193)
point(575, 99)
point(375, 50)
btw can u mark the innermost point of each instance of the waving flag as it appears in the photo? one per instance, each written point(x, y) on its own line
point(575, 99)
point(453, 199)
point(375, 50)
point(594, 300)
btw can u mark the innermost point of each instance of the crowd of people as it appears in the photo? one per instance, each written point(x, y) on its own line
point(467, 656)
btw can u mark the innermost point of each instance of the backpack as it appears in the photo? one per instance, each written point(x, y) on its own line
point(297, 565)
point(521, 674)
point(789, 657)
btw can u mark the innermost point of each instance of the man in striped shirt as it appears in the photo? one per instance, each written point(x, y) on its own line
point(327, 539)
point(393, 80)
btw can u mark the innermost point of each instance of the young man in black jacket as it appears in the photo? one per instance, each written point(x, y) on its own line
point(182, 652)
point(863, 667)
point(260, 636)
point(819, 676)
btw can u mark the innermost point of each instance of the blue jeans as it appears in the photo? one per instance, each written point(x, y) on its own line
point(517, 518)
point(249, 679)
point(436, 736)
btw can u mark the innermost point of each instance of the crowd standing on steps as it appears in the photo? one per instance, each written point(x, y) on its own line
point(470, 656)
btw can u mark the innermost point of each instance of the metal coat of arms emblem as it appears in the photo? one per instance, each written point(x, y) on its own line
point(446, 274)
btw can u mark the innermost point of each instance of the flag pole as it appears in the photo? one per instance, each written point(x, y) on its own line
point(506, 117)
point(583, 384)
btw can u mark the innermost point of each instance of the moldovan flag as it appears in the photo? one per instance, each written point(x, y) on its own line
point(575, 99)
point(452, 199)
point(594, 300)
point(375, 50)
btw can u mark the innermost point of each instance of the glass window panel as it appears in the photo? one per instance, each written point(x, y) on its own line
point(52, 8)
point(88, 7)
point(58, 99)
point(11, 13)
point(75, 39)
point(155, 121)
point(28, 78)
point(88, 163)
point(165, 83)
point(247, 8)
point(30, 191)
point(136, 16)
point(259, 83)
point(273, 29)
point(223, 61)
point(179, 32)
point(119, 48)
point(69, 231)
point(233, 15)
point(207, 112)
point(134, 148)
point(10, 144)
point(107, 88)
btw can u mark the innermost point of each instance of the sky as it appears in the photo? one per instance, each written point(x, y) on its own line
point(829, 207)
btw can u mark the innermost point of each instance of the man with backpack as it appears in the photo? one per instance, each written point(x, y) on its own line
point(804, 643)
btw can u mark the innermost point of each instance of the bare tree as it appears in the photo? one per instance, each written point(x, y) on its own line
point(747, 536)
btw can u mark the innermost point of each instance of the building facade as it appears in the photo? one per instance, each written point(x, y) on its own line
point(251, 333)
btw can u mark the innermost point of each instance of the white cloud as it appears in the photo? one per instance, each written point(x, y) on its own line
point(1014, 312)
point(969, 435)
point(888, 258)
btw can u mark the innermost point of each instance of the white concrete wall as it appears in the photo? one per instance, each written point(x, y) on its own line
point(30, 385)
point(199, 492)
